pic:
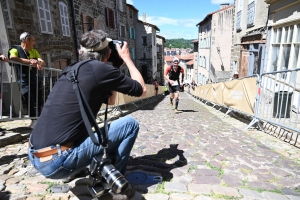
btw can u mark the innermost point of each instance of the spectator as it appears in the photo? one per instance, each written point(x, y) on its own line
point(3, 58)
point(155, 86)
point(26, 54)
point(235, 75)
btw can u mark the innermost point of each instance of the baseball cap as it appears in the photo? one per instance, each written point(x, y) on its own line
point(175, 60)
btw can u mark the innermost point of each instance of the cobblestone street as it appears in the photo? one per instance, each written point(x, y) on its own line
point(198, 153)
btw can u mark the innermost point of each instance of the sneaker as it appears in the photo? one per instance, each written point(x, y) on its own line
point(176, 111)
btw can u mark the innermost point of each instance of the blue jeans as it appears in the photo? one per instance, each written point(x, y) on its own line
point(121, 137)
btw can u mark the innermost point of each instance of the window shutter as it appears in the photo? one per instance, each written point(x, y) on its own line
point(133, 53)
point(6, 13)
point(130, 32)
point(45, 17)
point(107, 16)
point(133, 33)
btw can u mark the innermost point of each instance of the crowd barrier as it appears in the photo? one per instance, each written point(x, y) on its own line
point(272, 98)
point(12, 106)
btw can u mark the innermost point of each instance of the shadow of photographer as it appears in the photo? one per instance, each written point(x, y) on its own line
point(154, 166)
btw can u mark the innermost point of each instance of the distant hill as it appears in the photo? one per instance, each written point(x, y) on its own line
point(178, 43)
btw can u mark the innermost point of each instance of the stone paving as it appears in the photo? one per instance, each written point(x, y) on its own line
point(199, 154)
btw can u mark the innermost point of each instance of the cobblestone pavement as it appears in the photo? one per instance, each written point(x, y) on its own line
point(199, 154)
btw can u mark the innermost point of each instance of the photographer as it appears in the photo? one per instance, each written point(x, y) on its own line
point(60, 146)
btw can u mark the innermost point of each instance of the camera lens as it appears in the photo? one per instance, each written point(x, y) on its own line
point(114, 178)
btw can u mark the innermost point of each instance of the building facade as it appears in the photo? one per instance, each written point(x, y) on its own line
point(249, 37)
point(215, 38)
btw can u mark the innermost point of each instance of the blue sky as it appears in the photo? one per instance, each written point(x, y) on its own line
point(176, 18)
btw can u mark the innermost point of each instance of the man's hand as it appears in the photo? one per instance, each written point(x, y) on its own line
point(36, 64)
point(3, 58)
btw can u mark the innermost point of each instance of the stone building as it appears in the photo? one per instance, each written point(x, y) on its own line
point(50, 22)
point(160, 43)
point(215, 37)
point(249, 37)
point(146, 51)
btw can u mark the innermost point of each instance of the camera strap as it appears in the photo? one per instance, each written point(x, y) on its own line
point(86, 112)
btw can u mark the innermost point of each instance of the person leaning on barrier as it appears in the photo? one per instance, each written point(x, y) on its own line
point(26, 54)
point(60, 146)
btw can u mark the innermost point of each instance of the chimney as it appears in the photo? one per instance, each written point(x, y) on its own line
point(223, 5)
point(144, 17)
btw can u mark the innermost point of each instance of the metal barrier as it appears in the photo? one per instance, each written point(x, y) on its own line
point(21, 100)
point(278, 101)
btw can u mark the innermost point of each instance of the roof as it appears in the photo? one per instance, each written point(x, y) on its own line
point(188, 57)
point(132, 7)
point(210, 14)
point(169, 58)
point(159, 36)
point(148, 24)
point(191, 62)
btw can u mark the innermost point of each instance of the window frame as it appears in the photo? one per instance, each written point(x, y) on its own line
point(110, 18)
point(66, 18)
point(282, 37)
point(41, 18)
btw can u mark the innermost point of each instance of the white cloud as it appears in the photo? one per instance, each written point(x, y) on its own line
point(160, 21)
point(129, 2)
point(221, 1)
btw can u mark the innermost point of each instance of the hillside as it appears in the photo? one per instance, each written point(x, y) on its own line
point(178, 43)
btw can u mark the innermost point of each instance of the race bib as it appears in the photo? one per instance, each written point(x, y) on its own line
point(175, 83)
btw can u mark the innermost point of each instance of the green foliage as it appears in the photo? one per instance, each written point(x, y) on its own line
point(179, 43)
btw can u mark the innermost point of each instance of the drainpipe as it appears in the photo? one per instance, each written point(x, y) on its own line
point(266, 49)
point(74, 29)
point(117, 19)
point(209, 69)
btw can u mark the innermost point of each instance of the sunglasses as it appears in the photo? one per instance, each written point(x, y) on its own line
point(25, 35)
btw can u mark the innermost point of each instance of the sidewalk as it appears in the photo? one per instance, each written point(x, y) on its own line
point(199, 154)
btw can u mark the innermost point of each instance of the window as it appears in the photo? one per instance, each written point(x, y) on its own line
point(64, 19)
point(6, 13)
point(144, 40)
point(45, 17)
point(130, 13)
point(251, 14)
point(122, 31)
point(285, 45)
point(238, 21)
point(110, 18)
point(132, 33)
point(87, 23)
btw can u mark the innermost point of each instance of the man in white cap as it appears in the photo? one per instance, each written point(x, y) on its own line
point(172, 75)
point(25, 53)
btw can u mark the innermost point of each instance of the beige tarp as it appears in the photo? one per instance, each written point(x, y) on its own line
point(240, 94)
point(217, 93)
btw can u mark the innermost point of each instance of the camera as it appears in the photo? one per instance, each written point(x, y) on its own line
point(101, 168)
point(114, 58)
